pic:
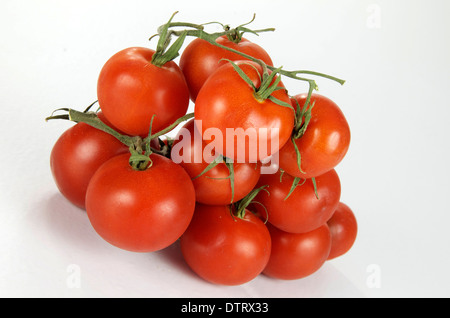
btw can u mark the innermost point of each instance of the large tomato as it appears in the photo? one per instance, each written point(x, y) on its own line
point(136, 211)
point(297, 255)
point(214, 186)
point(344, 228)
point(200, 59)
point(76, 156)
point(324, 144)
point(242, 127)
point(301, 211)
point(131, 90)
point(224, 249)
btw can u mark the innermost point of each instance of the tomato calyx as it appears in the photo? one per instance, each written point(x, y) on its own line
point(269, 83)
point(298, 182)
point(229, 164)
point(238, 209)
point(235, 35)
point(302, 119)
point(164, 53)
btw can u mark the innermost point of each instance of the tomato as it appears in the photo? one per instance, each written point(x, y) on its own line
point(140, 211)
point(200, 59)
point(242, 127)
point(224, 249)
point(131, 90)
point(324, 143)
point(344, 228)
point(297, 255)
point(214, 186)
point(302, 211)
point(77, 154)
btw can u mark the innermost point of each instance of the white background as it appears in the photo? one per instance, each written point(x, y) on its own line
point(396, 176)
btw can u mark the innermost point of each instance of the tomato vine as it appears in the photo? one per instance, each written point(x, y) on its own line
point(140, 148)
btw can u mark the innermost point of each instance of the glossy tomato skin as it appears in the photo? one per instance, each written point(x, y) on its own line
point(296, 256)
point(77, 154)
point(227, 104)
point(344, 229)
point(301, 212)
point(140, 211)
point(214, 186)
point(200, 59)
point(223, 249)
point(131, 90)
point(324, 144)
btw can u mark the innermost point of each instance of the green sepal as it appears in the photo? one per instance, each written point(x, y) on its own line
point(242, 74)
point(280, 102)
point(247, 200)
point(315, 187)
point(215, 162)
point(294, 185)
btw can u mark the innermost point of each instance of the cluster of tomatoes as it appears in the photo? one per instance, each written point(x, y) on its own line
point(233, 220)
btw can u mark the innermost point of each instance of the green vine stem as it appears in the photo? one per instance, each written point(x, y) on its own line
point(140, 148)
point(241, 206)
point(165, 53)
point(165, 32)
point(198, 31)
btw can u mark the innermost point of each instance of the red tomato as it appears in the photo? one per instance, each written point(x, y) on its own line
point(200, 59)
point(324, 144)
point(140, 211)
point(224, 249)
point(213, 187)
point(77, 154)
point(301, 212)
point(245, 129)
point(296, 256)
point(344, 228)
point(131, 90)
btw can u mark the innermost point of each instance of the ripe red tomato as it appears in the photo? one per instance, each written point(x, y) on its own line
point(200, 59)
point(245, 129)
point(131, 90)
point(324, 144)
point(77, 154)
point(302, 211)
point(213, 187)
point(343, 227)
point(297, 255)
point(224, 249)
point(136, 211)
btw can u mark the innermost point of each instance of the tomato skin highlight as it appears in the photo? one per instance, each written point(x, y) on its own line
point(297, 255)
point(134, 210)
point(131, 90)
point(76, 156)
point(213, 187)
point(200, 59)
point(324, 144)
point(223, 249)
point(344, 228)
point(226, 103)
point(301, 212)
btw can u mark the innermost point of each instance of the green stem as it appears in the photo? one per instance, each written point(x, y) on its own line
point(169, 128)
point(164, 53)
point(241, 205)
point(211, 38)
point(92, 119)
point(140, 157)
